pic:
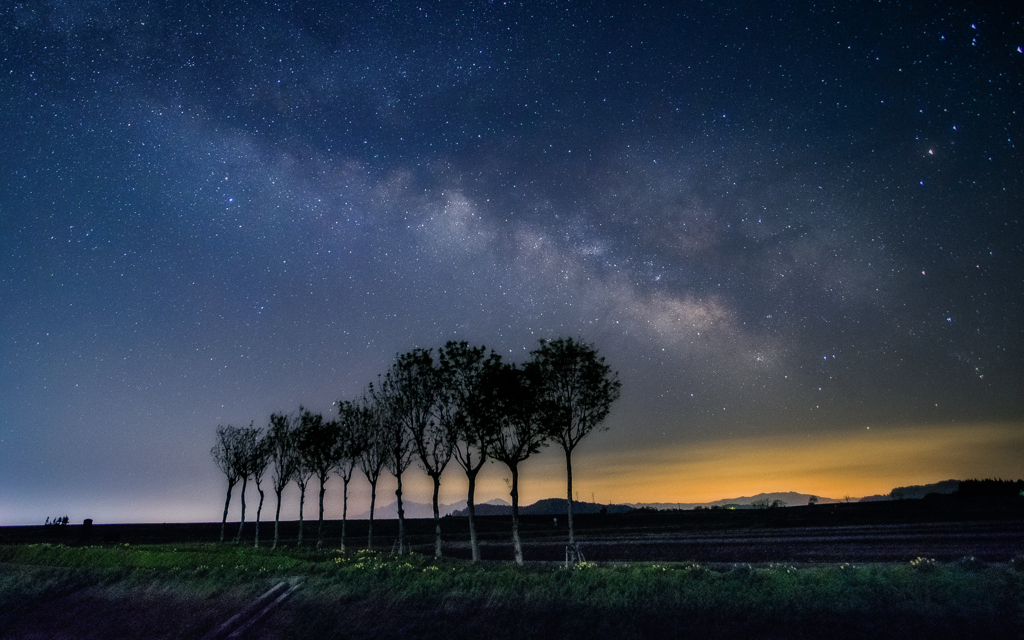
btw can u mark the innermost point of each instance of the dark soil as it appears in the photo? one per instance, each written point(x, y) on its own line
point(943, 529)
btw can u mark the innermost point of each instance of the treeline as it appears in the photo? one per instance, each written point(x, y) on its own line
point(464, 404)
point(990, 488)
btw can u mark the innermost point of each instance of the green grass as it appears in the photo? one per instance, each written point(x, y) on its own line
point(406, 593)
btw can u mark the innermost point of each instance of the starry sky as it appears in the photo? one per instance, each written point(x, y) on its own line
point(794, 229)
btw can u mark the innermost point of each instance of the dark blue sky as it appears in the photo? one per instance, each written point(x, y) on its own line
point(773, 219)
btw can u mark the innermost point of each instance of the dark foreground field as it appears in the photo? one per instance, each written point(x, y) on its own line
point(851, 571)
point(992, 531)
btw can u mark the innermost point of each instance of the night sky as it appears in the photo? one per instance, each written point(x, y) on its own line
point(794, 229)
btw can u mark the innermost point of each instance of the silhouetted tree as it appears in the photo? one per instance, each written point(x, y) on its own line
point(462, 370)
point(308, 422)
point(576, 390)
point(409, 389)
point(397, 441)
point(284, 458)
point(320, 450)
point(246, 456)
point(510, 401)
point(374, 454)
point(223, 453)
point(419, 381)
point(259, 467)
point(989, 488)
point(351, 420)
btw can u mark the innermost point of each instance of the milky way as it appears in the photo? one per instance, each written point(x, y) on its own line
point(793, 221)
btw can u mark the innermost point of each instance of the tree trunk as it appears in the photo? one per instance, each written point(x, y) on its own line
point(568, 474)
point(259, 510)
point(515, 514)
point(437, 517)
point(302, 503)
point(277, 515)
point(227, 502)
point(401, 516)
point(472, 514)
point(373, 501)
point(344, 513)
point(241, 522)
point(320, 525)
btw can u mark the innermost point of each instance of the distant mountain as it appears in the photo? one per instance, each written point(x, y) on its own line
point(916, 491)
point(418, 510)
point(557, 506)
point(546, 507)
point(788, 498)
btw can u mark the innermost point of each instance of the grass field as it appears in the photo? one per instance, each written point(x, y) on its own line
point(185, 590)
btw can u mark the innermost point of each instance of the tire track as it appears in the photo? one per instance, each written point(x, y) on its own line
point(239, 623)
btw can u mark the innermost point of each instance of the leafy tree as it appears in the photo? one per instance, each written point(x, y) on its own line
point(510, 402)
point(374, 453)
point(284, 458)
point(462, 371)
point(351, 418)
point(576, 390)
point(319, 448)
point(223, 453)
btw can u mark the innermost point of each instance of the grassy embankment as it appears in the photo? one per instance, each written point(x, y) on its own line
point(368, 594)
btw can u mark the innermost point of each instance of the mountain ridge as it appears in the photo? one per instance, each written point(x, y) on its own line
point(788, 498)
point(557, 506)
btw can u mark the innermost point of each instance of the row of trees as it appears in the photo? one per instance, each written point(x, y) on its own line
point(467, 405)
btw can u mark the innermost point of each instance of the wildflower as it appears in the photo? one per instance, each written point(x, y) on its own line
point(923, 563)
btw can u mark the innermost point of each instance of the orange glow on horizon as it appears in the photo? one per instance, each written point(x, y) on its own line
point(854, 463)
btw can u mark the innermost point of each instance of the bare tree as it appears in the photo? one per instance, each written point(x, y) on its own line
point(462, 369)
point(419, 382)
point(576, 390)
point(284, 457)
point(223, 453)
point(510, 400)
point(351, 418)
point(373, 455)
